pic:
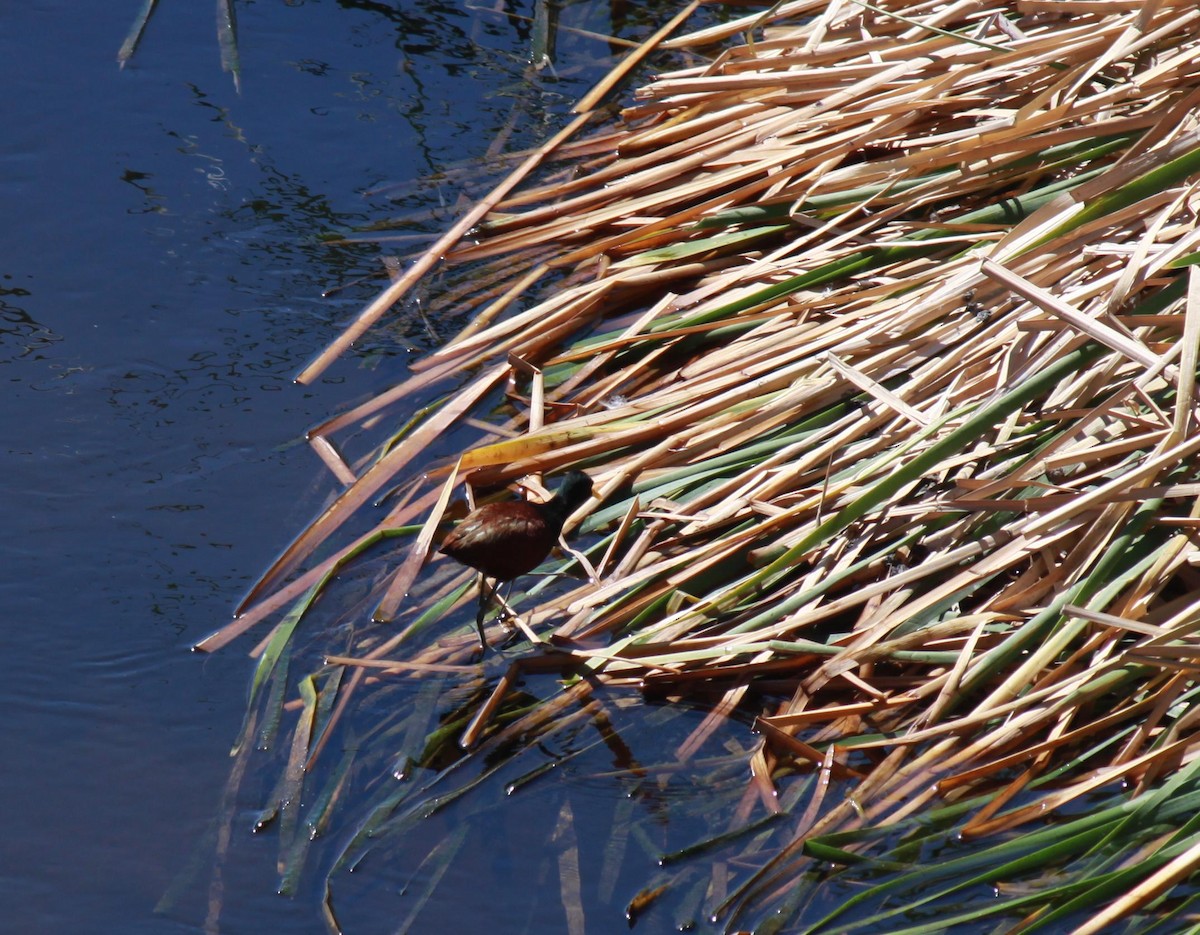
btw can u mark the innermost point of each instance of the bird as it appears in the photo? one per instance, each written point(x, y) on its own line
point(503, 541)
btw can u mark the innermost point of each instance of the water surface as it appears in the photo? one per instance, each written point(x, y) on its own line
point(161, 282)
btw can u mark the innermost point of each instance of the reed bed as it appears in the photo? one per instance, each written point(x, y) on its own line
point(877, 328)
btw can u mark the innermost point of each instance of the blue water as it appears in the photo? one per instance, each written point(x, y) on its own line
point(160, 284)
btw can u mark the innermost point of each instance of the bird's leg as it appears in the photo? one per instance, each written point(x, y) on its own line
point(485, 599)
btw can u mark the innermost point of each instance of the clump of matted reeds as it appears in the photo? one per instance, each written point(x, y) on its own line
point(875, 331)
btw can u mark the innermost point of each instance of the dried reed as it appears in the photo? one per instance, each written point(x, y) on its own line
point(880, 342)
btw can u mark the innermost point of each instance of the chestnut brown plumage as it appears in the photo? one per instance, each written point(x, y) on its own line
point(506, 540)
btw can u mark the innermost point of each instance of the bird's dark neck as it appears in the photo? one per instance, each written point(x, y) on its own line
point(556, 510)
point(576, 488)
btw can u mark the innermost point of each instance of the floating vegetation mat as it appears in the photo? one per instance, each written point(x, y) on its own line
point(875, 326)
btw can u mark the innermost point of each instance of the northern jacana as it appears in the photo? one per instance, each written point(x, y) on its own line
point(505, 540)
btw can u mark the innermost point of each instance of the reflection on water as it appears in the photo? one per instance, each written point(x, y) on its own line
point(21, 338)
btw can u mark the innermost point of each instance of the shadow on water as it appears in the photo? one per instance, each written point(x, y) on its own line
point(173, 252)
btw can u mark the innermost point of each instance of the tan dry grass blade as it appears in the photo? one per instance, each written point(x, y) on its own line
point(593, 98)
point(1160, 882)
point(373, 312)
point(378, 476)
point(404, 577)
